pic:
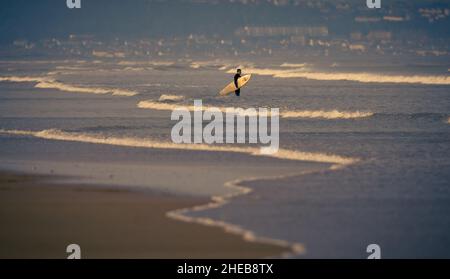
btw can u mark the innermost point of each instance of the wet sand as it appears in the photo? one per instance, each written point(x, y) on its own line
point(40, 217)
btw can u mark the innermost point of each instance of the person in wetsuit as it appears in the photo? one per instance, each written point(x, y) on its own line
point(236, 77)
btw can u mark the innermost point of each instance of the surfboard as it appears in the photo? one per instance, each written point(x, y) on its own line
point(230, 88)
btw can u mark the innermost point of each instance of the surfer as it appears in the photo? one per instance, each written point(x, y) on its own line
point(236, 77)
point(239, 81)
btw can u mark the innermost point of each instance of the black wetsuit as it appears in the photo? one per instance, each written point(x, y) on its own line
point(238, 91)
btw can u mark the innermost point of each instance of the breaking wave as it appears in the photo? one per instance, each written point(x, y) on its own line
point(170, 98)
point(370, 78)
point(170, 107)
point(215, 64)
point(195, 66)
point(54, 134)
point(302, 72)
point(320, 114)
point(48, 83)
point(334, 114)
point(268, 71)
point(24, 79)
point(92, 90)
point(292, 65)
point(146, 63)
point(134, 69)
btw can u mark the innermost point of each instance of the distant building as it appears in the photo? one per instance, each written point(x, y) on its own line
point(394, 18)
point(357, 47)
point(434, 14)
point(23, 44)
point(367, 19)
point(379, 36)
point(275, 31)
point(298, 40)
point(81, 37)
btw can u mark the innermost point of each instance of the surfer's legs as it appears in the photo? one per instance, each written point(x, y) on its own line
point(238, 92)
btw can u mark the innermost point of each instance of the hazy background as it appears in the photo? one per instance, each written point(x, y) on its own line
point(218, 27)
point(137, 18)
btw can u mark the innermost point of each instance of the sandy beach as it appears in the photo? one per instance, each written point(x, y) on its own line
point(39, 218)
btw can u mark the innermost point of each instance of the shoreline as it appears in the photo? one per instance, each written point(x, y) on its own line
point(293, 248)
point(192, 203)
point(40, 217)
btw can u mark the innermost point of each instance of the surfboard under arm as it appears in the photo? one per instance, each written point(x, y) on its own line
point(231, 87)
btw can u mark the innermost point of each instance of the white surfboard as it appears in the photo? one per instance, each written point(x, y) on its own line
point(230, 88)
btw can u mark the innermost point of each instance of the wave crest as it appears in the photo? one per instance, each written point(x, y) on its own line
point(24, 79)
point(269, 71)
point(48, 83)
point(369, 78)
point(302, 72)
point(92, 90)
point(285, 154)
point(334, 114)
point(319, 114)
point(170, 98)
point(293, 65)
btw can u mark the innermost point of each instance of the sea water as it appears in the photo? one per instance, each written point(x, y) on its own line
point(365, 151)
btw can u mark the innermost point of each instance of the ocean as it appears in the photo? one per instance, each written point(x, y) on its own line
point(364, 150)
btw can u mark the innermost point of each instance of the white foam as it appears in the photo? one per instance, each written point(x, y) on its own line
point(268, 71)
point(221, 65)
point(129, 63)
point(108, 54)
point(194, 66)
point(134, 69)
point(162, 63)
point(369, 77)
point(293, 65)
point(48, 83)
point(149, 104)
point(168, 97)
point(23, 79)
point(219, 201)
point(170, 107)
point(54, 134)
point(72, 68)
point(92, 90)
point(145, 63)
point(303, 72)
point(333, 114)
point(161, 106)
